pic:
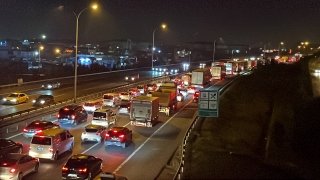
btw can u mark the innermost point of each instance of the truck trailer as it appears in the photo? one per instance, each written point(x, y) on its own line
point(200, 77)
point(167, 100)
point(218, 72)
point(144, 111)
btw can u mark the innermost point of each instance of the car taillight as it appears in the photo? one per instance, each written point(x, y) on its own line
point(12, 170)
point(73, 117)
point(37, 131)
point(50, 149)
point(29, 148)
point(107, 135)
point(64, 168)
point(58, 115)
point(25, 130)
point(121, 136)
point(82, 170)
point(106, 118)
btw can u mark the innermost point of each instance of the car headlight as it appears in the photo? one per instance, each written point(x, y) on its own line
point(14, 100)
point(49, 86)
point(33, 101)
point(42, 101)
point(132, 78)
point(42, 86)
point(127, 78)
point(4, 99)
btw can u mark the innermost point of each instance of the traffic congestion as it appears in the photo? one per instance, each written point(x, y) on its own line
point(97, 128)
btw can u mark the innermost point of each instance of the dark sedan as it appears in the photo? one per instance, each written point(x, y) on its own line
point(82, 166)
point(9, 146)
point(43, 100)
point(51, 85)
point(38, 126)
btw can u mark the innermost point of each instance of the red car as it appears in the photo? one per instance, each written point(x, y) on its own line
point(196, 96)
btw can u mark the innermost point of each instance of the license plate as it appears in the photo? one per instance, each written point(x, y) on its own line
point(114, 139)
point(40, 149)
point(31, 130)
point(72, 175)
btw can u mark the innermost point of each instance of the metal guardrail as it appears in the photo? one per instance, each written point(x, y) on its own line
point(180, 170)
point(17, 117)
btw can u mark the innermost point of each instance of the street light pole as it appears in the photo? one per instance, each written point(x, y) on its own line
point(76, 53)
point(152, 49)
point(281, 43)
point(214, 51)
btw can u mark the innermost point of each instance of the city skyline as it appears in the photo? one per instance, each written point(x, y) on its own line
point(235, 21)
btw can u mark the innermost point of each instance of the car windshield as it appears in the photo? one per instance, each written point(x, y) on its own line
point(89, 104)
point(107, 97)
point(91, 130)
point(13, 95)
point(41, 140)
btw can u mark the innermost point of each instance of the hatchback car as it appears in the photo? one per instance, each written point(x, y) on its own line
point(38, 126)
point(93, 133)
point(9, 146)
point(82, 166)
point(92, 106)
point(16, 98)
point(51, 85)
point(72, 114)
point(196, 96)
point(43, 100)
point(16, 166)
point(124, 107)
point(118, 136)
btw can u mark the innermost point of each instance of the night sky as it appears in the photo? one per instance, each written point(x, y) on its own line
point(250, 22)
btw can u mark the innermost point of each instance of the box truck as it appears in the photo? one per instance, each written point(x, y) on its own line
point(200, 77)
point(144, 111)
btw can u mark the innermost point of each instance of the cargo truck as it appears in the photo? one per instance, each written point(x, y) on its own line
point(144, 111)
point(186, 79)
point(167, 100)
point(200, 77)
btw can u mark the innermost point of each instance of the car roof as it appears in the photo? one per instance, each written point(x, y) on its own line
point(103, 110)
point(117, 128)
point(93, 126)
point(50, 132)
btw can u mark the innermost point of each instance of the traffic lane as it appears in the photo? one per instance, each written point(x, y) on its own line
point(155, 153)
point(114, 156)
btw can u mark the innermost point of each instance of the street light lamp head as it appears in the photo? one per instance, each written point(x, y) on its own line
point(281, 43)
point(94, 6)
point(41, 47)
point(163, 26)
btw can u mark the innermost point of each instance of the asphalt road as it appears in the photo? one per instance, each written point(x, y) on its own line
point(143, 159)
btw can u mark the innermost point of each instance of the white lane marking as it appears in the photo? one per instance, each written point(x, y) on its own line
point(124, 162)
point(97, 143)
point(14, 136)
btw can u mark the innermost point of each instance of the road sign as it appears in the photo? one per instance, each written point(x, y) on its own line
point(208, 105)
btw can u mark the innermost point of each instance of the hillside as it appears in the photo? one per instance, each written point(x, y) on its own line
point(267, 128)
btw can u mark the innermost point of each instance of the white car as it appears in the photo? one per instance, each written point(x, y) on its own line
point(125, 96)
point(92, 106)
point(93, 133)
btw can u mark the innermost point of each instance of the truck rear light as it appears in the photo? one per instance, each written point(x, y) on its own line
point(50, 149)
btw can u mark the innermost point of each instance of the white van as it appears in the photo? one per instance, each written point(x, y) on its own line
point(104, 117)
point(111, 99)
point(49, 143)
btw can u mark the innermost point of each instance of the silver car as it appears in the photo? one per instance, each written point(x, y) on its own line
point(15, 166)
point(93, 133)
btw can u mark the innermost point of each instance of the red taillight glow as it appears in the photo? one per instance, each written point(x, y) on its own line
point(25, 130)
point(58, 115)
point(4, 164)
point(73, 117)
point(83, 170)
point(115, 131)
point(12, 170)
point(121, 136)
point(107, 135)
point(64, 168)
point(37, 131)
point(50, 149)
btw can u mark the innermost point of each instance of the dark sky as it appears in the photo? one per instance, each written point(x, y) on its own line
point(249, 22)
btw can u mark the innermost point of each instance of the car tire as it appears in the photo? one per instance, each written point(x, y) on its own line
point(124, 145)
point(55, 156)
point(89, 176)
point(36, 168)
point(19, 176)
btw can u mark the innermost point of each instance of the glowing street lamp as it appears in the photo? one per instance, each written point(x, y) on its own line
point(76, 53)
point(163, 26)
